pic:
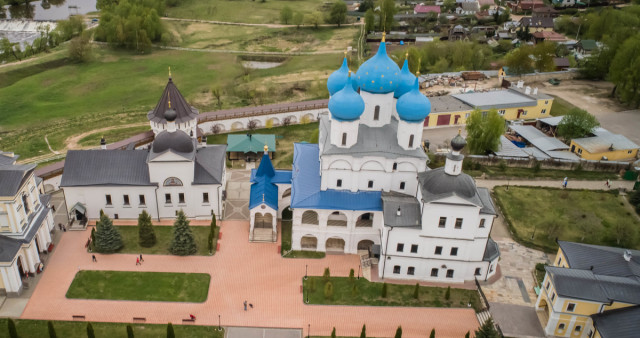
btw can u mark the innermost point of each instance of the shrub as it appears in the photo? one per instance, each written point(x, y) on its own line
point(333, 333)
point(326, 276)
point(170, 333)
point(447, 295)
point(351, 276)
point(52, 330)
point(416, 291)
point(328, 290)
point(13, 333)
point(502, 165)
point(398, 332)
point(363, 334)
point(146, 235)
point(130, 331)
point(433, 333)
point(384, 290)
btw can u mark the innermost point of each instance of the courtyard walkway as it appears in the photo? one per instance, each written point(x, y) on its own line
point(239, 271)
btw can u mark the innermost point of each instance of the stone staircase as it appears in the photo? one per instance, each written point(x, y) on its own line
point(263, 235)
point(483, 316)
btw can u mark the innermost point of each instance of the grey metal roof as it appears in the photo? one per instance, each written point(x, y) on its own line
point(552, 121)
point(183, 110)
point(538, 139)
point(177, 142)
point(605, 260)
point(497, 99)
point(209, 164)
point(492, 251)
point(538, 96)
point(487, 203)
point(9, 248)
point(508, 149)
point(380, 141)
point(536, 153)
point(410, 214)
point(618, 323)
point(574, 283)
point(436, 184)
point(105, 167)
point(562, 155)
point(603, 140)
point(13, 176)
point(7, 158)
point(447, 104)
point(536, 22)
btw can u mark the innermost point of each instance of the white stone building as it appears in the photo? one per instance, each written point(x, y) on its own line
point(25, 223)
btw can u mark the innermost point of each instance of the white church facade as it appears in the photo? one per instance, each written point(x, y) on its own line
point(366, 186)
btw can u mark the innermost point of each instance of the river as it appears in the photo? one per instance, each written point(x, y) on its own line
point(49, 10)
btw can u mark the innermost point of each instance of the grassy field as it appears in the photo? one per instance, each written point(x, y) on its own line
point(560, 106)
point(60, 99)
point(594, 217)
point(286, 244)
point(241, 10)
point(285, 137)
point(143, 286)
point(164, 234)
point(202, 35)
point(113, 135)
point(67, 329)
point(368, 293)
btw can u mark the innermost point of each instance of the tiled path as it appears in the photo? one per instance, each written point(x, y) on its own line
point(240, 271)
point(238, 192)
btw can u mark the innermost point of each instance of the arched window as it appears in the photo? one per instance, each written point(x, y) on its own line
point(344, 139)
point(376, 113)
point(172, 182)
point(25, 202)
point(411, 141)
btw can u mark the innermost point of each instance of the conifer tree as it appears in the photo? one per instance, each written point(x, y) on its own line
point(212, 233)
point(52, 330)
point(433, 333)
point(129, 332)
point(93, 238)
point(398, 332)
point(487, 330)
point(326, 276)
point(108, 238)
point(384, 290)
point(416, 291)
point(447, 294)
point(333, 333)
point(467, 335)
point(363, 334)
point(183, 243)
point(146, 235)
point(90, 333)
point(13, 333)
point(328, 290)
point(351, 276)
point(170, 333)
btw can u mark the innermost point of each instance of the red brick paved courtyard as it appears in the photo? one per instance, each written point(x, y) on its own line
point(239, 271)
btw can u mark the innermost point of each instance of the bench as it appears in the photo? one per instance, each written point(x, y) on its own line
point(188, 321)
point(139, 319)
point(78, 317)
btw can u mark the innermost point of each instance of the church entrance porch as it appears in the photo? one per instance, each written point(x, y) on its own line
point(335, 245)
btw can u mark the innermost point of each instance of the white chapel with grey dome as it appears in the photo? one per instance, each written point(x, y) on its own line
point(366, 188)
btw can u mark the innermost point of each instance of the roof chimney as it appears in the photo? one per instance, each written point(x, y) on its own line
point(535, 91)
point(103, 143)
point(627, 255)
point(398, 213)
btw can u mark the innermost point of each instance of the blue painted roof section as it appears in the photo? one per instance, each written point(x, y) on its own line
point(281, 176)
point(406, 80)
point(266, 167)
point(305, 186)
point(413, 106)
point(263, 187)
point(379, 74)
point(347, 104)
point(338, 79)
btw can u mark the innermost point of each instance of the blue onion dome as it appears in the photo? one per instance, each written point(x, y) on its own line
point(406, 80)
point(346, 105)
point(413, 106)
point(379, 74)
point(338, 78)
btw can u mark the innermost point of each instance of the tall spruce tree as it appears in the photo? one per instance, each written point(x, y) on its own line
point(130, 331)
point(487, 330)
point(212, 233)
point(333, 333)
point(398, 332)
point(13, 333)
point(146, 235)
point(183, 243)
point(363, 333)
point(170, 333)
point(90, 333)
point(108, 238)
point(52, 330)
point(433, 333)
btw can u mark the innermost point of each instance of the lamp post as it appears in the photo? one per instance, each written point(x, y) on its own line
point(309, 331)
point(306, 270)
point(307, 296)
point(219, 327)
point(358, 271)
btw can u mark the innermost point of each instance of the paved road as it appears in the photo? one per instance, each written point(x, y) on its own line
point(573, 184)
point(267, 25)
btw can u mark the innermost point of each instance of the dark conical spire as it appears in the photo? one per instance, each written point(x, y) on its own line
point(184, 112)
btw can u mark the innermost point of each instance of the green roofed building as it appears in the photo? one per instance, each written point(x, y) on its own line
point(250, 147)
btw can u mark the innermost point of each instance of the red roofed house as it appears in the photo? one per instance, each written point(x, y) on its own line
point(548, 36)
point(525, 5)
point(422, 9)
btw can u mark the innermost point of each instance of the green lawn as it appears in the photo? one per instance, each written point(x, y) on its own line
point(113, 135)
point(594, 217)
point(285, 138)
point(369, 293)
point(164, 235)
point(241, 10)
point(560, 106)
point(286, 244)
point(38, 328)
point(143, 286)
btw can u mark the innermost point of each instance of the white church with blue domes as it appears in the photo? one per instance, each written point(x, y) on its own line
point(365, 187)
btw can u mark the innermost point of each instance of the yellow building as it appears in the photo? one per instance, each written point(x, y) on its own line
point(605, 145)
point(591, 291)
point(447, 111)
point(25, 223)
point(512, 104)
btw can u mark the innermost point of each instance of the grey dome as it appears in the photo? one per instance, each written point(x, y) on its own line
point(177, 141)
point(437, 182)
point(170, 115)
point(458, 143)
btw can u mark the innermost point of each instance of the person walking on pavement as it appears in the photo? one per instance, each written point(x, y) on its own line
point(93, 258)
point(564, 182)
point(245, 305)
point(138, 261)
point(141, 260)
point(608, 184)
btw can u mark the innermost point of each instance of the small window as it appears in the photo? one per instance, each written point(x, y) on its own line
point(559, 261)
point(524, 113)
point(502, 111)
point(450, 273)
point(544, 111)
point(546, 102)
point(571, 307)
point(181, 198)
point(561, 326)
point(629, 152)
point(402, 184)
point(370, 184)
point(454, 251)
point(548, 285)
point(376, 113)
point(438, 250)
point(579, 151)
point(396, 269)
point(578, 328)
point(167, 198)
point(414, 248)
point(141, 199)
point(108, 197)
point(458, 223)
point(411, 271)
point(466, 116)
point(478, 271)
point(400, 247)
point(434, 272)
point(339, 183)
point(126, 199)
point(482, 222)
point(116, 216)
point(442, 222)
point(553, 296)
point(395, 166)
point(205, 197)
point(344, 139)
point(411, 141)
